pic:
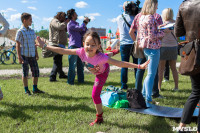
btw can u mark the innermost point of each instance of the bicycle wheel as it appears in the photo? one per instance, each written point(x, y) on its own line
point(8, 57)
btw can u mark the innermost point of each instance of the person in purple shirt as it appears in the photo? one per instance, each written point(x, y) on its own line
point(76, 33)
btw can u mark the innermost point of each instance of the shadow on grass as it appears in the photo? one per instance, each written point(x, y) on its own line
point(17, 111)
point(157, 125)
point(58, 97)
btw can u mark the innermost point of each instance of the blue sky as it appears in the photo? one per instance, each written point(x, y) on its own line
point(102, 12)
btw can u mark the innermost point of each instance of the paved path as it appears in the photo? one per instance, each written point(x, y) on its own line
point(9, 72)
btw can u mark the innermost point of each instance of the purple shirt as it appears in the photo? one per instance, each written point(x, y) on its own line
point(76, 33)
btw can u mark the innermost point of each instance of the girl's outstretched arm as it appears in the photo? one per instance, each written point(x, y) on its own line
point(58, 50)
point(127, 64)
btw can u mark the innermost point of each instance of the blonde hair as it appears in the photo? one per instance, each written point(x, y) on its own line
point(167, 14)
point(149, 7)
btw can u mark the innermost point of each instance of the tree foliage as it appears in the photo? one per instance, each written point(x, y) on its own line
point(43, 33)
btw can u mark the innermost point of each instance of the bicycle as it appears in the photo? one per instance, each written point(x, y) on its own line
point(8, 57)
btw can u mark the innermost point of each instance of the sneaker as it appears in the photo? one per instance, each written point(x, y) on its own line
point(28, 92)
point(159, 96)
point(63, 77)
point(52, 80)
point(165, 80)
point(38, 91)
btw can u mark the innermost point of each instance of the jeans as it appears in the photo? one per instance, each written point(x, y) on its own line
point(75, 61)
point(139, 78)
point(154, 56)
point(125, 56)
point(57, 66)
point(192, 101)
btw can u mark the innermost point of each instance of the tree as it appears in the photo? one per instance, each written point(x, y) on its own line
point(43, 33)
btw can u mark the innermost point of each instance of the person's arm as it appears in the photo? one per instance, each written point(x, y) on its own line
point(58, 25)
point(5, 25)
point(19, 52)
point(179, 29)
point(132, 34)
point(58, 50)
point(77, 28)
point(127, 64)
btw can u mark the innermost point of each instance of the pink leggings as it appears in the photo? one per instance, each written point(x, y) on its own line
point(98, 84)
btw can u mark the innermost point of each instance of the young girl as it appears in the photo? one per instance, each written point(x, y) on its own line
point(96, 62)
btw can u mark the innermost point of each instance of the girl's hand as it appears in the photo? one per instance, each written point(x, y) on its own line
point(39, 43)
point(144, 65)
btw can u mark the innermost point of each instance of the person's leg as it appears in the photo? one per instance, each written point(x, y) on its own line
point(192, 101)
point(60, 67)
point(160, 72)
point(80, 70)
point(125, 56)
point(35, 74)
point(166, 71)
point(25, 71)
point(135, 61)
point(154, 56)
point(139, 75)
point(1, 94)
point(55, 68)
point(155, 91)
point(98, 85)
point(172, 64)
point(72, 64)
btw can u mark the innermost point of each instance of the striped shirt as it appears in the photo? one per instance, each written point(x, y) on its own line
point(26, 37)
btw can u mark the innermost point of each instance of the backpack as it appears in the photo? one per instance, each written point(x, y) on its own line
point(136, 99)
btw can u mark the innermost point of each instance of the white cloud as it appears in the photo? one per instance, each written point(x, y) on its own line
point(81, 4)
point(113, 20)
point(15, 17)
point(120, 5)
point(35, 17)
point(80, 17)
point(8, 10)
point(24, 1)
point(47, 19)
point(92, 14)
point(32, 8)
point(60, 7)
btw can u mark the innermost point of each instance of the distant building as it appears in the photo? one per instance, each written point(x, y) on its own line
point(100, 31)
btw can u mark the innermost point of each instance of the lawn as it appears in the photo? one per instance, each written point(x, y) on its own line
point(69, 109)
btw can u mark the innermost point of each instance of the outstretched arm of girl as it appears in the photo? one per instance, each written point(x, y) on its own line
point(127, 64)
point(58, 50)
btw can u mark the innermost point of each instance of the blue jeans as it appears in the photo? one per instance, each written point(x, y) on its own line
point(154, 56)
point(125, 56)
point(139, 78)
point(75, 61)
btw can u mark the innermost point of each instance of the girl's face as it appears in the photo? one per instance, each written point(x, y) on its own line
point(90, 46)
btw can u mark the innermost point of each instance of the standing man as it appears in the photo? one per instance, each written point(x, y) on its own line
point(58, 37)
point(76, 33)
point(188, 24)
point(124, 22)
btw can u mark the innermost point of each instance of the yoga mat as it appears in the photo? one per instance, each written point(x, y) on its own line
point(162, 111)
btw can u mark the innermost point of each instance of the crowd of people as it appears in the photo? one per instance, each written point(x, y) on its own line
point(138, 25)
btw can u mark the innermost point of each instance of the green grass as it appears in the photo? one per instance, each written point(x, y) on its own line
point(69, 109)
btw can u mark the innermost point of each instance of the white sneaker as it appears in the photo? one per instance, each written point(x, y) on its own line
point(165, 80)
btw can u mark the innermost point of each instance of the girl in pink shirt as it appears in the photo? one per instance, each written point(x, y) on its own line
point(96, 62)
